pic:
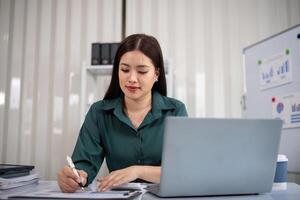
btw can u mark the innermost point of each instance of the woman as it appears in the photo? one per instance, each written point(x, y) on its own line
point(127, 126)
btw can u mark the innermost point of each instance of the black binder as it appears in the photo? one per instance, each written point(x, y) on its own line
point(10, 171)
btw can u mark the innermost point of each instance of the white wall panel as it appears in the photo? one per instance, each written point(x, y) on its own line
point(293, 7)
point(15, 66)
point(28, 82)
point(218, 28)
point(159, 21)
point(74, 74)
point(56, 139)
point(234, 60)
point(43, 83)
point(190, 32)
point(198, 58)
point(5, 7)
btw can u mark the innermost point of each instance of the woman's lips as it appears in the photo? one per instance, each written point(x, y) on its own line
point(132, 88)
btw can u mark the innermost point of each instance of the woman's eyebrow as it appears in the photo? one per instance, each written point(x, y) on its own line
point(143, 66)
point(125, 64)
point(138, 66)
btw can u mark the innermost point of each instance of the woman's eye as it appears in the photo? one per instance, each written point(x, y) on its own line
point(142, 72)
point(125, 70)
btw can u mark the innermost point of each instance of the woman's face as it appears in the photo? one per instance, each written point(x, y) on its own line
point(137, 74)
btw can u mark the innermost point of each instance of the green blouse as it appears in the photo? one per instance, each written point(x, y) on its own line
point(108, 132)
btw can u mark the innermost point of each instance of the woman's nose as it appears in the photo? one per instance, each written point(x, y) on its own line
point(132, 77)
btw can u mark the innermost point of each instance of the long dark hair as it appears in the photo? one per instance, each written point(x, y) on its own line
point(149, 46)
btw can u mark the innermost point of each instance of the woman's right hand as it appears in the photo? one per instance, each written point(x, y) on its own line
point(68, 181)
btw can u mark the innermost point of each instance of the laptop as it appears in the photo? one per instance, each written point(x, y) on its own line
point(204, 157)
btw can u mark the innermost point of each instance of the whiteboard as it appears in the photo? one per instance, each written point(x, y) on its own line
point(272, 76)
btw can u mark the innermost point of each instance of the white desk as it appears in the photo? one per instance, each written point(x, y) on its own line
point(292, 193)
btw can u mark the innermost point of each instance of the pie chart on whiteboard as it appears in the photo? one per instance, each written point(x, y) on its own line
point(280, 107)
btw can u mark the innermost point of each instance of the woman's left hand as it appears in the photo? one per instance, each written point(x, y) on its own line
point(118, 177)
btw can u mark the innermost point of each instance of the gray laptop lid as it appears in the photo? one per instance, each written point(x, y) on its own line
point(218, 156)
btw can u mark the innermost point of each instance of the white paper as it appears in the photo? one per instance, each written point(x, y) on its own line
point(78, 194)
point(89, 193)
point(275, 71)
point(130, 186)
point(287, 108)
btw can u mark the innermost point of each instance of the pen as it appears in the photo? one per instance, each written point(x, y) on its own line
point(71, 164)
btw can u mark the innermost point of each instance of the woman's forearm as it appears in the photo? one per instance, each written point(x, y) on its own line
point(149, 173)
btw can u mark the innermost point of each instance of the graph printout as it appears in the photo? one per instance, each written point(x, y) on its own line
point(275, 70)
point(287, 108)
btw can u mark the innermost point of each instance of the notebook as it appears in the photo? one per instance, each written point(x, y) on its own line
point(204, 157)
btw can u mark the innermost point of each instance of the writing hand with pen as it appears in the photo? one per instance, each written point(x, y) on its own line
point(70, 179)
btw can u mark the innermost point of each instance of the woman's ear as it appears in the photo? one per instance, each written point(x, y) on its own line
point(157, 74)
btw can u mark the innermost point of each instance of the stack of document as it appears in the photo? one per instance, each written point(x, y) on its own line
point(7, 183)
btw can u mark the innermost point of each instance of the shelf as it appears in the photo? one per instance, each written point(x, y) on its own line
point(99, 69)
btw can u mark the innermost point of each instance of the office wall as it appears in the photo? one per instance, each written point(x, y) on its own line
point(205, 40)
point(44, 42)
